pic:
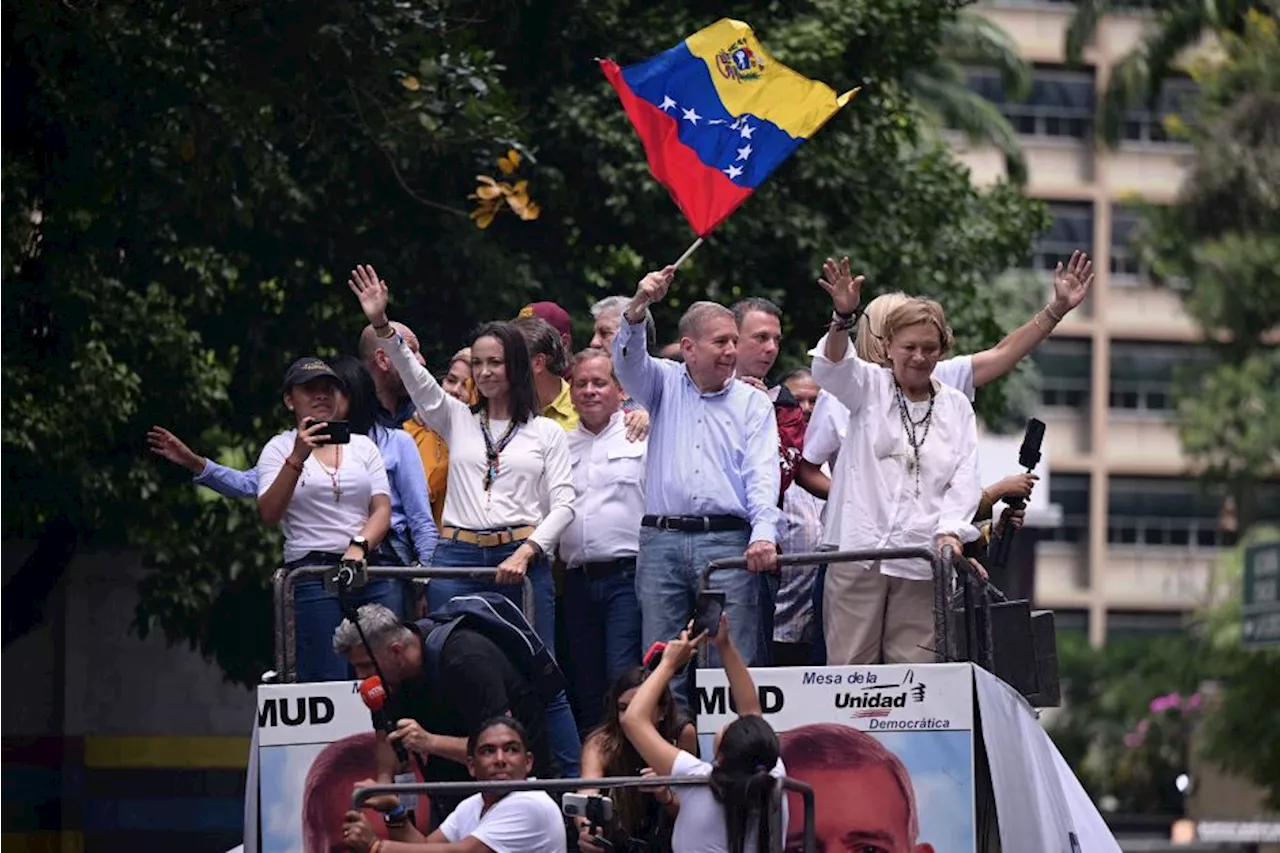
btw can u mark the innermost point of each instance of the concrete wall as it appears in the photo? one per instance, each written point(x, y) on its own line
point(84, 672)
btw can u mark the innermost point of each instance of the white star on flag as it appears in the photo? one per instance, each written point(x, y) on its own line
point(716, 121)
point(746, 130)
point(691, 116)
point(667, 103)
point(733, 172)
point(744, 153)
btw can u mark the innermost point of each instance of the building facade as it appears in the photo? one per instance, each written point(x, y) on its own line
point(1139, 534)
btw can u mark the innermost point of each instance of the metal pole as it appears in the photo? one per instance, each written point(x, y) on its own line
point(568, 785)
point(277, 620)
point(284, 583)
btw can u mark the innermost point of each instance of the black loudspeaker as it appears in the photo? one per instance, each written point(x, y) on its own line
point(1048, 692)
point(1024, 650)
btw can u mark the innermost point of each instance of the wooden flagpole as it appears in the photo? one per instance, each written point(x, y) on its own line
point(687, 252)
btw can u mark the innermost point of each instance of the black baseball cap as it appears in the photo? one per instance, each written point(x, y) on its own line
point(307, 368)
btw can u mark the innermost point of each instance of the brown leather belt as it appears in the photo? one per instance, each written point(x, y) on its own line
point(487, 538)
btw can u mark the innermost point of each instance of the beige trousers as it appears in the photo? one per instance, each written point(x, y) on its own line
point(870, 618)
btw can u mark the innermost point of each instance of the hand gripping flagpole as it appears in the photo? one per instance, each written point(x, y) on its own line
point(693, 247)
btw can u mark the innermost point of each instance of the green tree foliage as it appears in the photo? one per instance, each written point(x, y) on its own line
point(1139, 76)
point(1107, 692)
point(1221, 240)
point(187, 184)
point(943, 88)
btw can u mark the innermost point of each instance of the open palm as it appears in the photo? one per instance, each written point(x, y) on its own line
point(844, 287)
point(372, 293)
point(1071, 284)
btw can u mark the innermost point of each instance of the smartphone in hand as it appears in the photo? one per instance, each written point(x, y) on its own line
point(707, 612)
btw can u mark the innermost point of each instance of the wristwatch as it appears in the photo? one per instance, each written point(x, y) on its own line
point(362, 543)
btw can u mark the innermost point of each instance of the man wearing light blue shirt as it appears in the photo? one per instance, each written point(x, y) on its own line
point(712, 471)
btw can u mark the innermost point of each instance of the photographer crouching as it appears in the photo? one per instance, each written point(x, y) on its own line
point(440, 693)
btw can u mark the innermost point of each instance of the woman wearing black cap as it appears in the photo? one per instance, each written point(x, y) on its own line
point(332, 502)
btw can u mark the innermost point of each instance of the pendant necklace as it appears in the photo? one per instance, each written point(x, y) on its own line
point(916, 431)
point(334, 475)
point(493, 450)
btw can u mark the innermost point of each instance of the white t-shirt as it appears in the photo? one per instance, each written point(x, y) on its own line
point(316, 520)
point(700, 824)
point(521, 822)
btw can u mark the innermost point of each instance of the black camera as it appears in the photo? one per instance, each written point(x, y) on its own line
point(346, 576)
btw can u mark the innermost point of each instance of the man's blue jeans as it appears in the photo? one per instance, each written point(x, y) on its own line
point(602, 626)
point(562, 731)
point(668, 576)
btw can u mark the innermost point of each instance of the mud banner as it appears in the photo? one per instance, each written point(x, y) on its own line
point(315, 742)
point(887, 749)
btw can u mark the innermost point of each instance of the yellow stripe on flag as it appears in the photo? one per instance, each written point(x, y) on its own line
point(766, 88)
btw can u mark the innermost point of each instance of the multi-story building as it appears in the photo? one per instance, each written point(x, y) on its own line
point(1139, 534)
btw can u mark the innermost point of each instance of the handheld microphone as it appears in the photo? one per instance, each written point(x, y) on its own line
point(374, 696)
point(1029, 455)
point(1028, 458)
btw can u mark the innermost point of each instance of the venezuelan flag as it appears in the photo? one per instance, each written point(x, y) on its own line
point(717, 114)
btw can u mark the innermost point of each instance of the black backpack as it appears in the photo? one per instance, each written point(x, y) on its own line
point(494, 616)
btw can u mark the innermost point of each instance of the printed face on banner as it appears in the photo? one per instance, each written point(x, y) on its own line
point(316, 742)
point(888, 751)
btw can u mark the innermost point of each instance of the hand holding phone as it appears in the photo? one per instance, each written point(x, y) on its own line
point(707, 613)
point(339, 432)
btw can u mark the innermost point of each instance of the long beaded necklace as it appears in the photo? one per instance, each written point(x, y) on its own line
point(493, 450)
point(912, 428)
point(334, 477)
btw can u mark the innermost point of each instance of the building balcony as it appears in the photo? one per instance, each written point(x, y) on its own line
point(1138, 311)
point(1143, 444)
point(1062, 575)
point(1038, 29)
point(1156, 577)
point(1066, 432)
point(1152, 170)
point(1057, 167)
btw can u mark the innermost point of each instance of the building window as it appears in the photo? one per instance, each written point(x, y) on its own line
point(1065, 368)
point(1127, 267)
point(1142, 375)
point(1123, 623)
point(1071, 493)
point(1155, 512)
point(1060, 105)
point(1143, 125)
point(1071, 230)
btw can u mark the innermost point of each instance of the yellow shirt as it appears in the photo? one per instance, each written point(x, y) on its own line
point(435, 463)
point(561, 409)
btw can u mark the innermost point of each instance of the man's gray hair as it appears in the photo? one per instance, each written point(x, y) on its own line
point(618, 305)
point(699, 314)
point(381, 627)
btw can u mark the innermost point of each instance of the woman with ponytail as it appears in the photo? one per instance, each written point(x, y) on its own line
point(732, 814)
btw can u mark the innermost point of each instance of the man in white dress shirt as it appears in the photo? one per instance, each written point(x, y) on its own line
point(601, 612)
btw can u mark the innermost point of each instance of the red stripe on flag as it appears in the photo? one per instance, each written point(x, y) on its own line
point(705, 195)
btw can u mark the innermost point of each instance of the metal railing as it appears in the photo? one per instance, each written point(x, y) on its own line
point(974, 593)
point(571, 785)
point(285, 625)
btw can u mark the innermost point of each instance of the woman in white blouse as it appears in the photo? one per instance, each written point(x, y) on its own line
point(906, 477)
point(510, 484)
